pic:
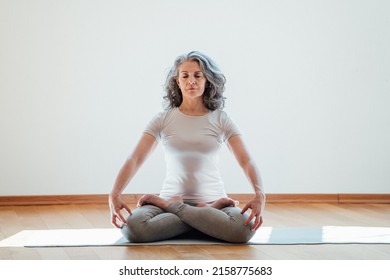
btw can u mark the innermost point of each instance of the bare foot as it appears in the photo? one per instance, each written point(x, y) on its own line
point(151, 199)
point(201, 204)
point(223, 202)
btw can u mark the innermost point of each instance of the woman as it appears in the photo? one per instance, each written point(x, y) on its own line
point(192, 131)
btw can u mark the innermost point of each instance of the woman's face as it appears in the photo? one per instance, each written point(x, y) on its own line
point(191, 81)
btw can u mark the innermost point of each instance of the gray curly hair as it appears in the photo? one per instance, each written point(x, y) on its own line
point(213, 95)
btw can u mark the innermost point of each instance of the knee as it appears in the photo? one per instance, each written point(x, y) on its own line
point(240, 234)
point(133, 230)
point(136, 228)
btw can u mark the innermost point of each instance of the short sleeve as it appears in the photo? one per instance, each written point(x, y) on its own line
point(154, 127)
point(229, 127)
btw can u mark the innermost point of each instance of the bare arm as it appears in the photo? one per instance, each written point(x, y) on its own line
point(145, 146)
point(257, 204)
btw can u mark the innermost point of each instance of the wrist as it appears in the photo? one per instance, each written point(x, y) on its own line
point(260, 195)
point(114, 195)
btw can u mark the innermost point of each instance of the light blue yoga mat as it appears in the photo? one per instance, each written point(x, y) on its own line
point(264, 236)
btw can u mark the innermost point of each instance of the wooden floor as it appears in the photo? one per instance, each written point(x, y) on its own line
point(16, 218)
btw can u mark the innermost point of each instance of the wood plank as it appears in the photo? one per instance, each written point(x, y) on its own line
point(364, 198)
point(242, 198)
point(24, 254)
point(303, 198)
point(16, 218)
point(80, 253)
point(52, 254)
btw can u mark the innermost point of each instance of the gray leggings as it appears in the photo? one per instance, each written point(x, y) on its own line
point(150, 223)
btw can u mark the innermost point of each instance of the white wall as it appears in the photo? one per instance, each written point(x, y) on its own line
point(308, 84)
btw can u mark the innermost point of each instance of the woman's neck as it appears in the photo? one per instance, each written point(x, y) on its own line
point(193, 108)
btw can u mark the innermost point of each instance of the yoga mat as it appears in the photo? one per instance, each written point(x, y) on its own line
point(264, 236)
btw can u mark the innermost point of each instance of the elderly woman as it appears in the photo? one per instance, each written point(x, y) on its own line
point(192, 131)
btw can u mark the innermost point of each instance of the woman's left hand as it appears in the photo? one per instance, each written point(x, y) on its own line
point(257, 206)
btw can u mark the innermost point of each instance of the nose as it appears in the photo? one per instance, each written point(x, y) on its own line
point(191, 81)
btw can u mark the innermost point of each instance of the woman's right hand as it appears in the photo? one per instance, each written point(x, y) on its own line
point(116, 205)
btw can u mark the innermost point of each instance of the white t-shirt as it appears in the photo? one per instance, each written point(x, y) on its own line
point(191, 147)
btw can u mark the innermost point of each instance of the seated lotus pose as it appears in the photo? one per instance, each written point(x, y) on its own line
point(192, 130)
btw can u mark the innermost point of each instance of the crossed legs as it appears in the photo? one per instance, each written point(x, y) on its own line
point(159, 219)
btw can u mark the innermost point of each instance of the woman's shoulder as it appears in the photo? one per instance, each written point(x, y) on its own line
point(164, 113)
point(220, 114)
point(162, 117)
point(157, 123)
point(223, 117)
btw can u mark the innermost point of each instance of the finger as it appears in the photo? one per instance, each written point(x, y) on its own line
point(121, 218)
point(250, 218)
point(127, 208)
point(114, 221)
point(256, 224)
point(261, 221)
point(246, 207)
point(141, 201)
